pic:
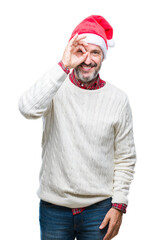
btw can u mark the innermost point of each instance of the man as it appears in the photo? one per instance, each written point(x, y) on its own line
point(88, 146)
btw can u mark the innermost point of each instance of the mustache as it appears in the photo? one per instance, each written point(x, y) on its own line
point(89, 65)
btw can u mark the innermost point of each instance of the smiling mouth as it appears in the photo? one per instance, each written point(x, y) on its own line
point(86, 68)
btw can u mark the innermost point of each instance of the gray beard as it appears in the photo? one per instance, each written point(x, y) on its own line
point(86, 79)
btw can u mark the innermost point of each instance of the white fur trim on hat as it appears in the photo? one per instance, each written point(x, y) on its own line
point(97, 40)
point(111, 43)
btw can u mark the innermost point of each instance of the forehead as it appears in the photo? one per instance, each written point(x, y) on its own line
point(92, 47)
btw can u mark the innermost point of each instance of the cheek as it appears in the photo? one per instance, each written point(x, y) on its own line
point(97, 60)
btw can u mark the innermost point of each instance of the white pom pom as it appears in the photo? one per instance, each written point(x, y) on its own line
point(111, 43)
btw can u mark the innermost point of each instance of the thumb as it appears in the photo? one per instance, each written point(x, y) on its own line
point(105, 222)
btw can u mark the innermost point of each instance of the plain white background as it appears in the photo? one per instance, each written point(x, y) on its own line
point(34, 34)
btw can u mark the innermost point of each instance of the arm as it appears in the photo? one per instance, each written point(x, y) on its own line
point(124, 164)
point(125, 155)
point(36, 101)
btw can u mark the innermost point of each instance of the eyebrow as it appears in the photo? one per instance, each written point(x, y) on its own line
point(96, 50)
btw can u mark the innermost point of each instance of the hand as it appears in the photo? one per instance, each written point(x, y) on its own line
point(114, 217)
point(75, 52)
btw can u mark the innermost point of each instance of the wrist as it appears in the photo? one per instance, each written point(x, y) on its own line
point(120, 206)
point(65, 64)
point(64, 67)
point(118, 210)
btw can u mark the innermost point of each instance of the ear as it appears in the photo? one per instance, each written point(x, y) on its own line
point(102, 57)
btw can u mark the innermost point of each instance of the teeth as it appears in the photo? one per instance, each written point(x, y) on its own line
point(86, 68)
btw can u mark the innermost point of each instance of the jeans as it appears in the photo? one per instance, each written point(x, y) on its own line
point(58, 222)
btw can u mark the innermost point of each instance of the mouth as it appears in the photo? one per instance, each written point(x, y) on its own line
point(86, 68)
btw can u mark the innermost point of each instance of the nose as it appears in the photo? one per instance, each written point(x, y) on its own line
point(88, 59)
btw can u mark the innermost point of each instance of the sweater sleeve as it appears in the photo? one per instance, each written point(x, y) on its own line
point(36, 101)
point(124, 155)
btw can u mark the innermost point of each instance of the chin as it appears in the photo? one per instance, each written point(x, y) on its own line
point(89, 78)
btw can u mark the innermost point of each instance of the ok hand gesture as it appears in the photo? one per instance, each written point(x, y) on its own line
point(75, 53)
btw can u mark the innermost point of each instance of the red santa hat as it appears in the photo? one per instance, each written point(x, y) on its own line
point(97, 30)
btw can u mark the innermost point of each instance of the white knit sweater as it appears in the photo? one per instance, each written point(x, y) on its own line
point(88, 151)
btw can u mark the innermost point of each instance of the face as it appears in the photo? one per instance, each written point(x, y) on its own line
point(88, 70)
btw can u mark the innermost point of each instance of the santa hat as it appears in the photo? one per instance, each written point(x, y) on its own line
point(97, 30)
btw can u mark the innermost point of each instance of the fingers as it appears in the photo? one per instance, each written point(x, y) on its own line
point(83, 43)
point(80, 43)
point(109, 233)
point(105, 222)
point(114, 220)
point(77, 39)
point(79, 48)
point(81, 59)
point(114, 233)
point(110, 227)
point(75, 52)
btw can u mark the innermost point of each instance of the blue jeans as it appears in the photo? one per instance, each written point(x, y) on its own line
point(58, 222)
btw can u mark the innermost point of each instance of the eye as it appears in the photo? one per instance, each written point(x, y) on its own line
point(96, 52)
point(79, 51)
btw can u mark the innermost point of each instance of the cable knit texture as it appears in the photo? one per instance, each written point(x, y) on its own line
point(88, 151)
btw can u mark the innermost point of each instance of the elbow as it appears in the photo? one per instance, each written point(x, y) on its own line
point(28, 113)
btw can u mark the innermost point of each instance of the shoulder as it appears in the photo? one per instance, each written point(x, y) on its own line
point(116, 94)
